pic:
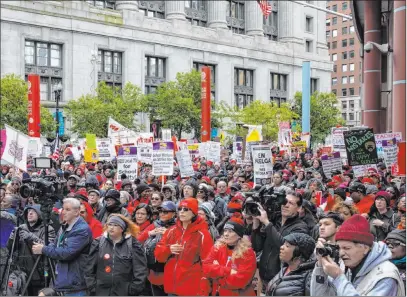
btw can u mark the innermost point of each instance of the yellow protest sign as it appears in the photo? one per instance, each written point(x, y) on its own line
point(91, 156)
point(91, 141)
point(254, 136)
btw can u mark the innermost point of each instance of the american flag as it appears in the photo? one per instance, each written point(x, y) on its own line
point(265, 7)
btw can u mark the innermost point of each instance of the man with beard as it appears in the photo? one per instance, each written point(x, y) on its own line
point(72, 182)
point(176, 174)
point(113, 205)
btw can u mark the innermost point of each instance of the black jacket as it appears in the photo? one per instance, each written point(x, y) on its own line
point(270, 239)
point(295, 283)
point(114, 270)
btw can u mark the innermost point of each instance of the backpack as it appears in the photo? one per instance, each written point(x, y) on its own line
point(149, 247)
point(16, 283)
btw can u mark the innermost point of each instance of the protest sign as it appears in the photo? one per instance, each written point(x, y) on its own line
point(127, 162)
point(338, 141)
point(400, 169)
point(16, 149)
point(34, 147)
point(203, 149)
point(213, 151)
point(163, 158)
point(360, 147)
point(194, 150)
point(91, 141)
point(91, 156)
point(326, 150)
point(237, 151)
point(185, 163)
point(362, 170)
point(105, 148)
point(389, 151)
point(145, 153)
point(262, 164)
point(248, 151)
point(385, 137)
point(331, 163)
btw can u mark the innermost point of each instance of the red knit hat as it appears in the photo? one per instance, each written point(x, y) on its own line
point(206, 179)
point(356, 229)
point(337, 178)
point(82, 194)
point(385, 195)
point(190, 203)
point(234, 207)
point(367, 180)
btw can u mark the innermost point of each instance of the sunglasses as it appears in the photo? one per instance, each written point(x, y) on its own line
point(164, 211)
point(200, 191)
point(184, 209)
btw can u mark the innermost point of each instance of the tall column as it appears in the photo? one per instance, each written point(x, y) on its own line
point(372, 67)
point(217, 14)
point(254, 18)
point(175, 10)
point(399, 68)
point(126, 5)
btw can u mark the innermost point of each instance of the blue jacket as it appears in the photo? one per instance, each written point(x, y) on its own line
point(70, 250)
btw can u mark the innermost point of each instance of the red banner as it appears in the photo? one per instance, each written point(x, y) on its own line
point(206, 104)
point(401, 159)
point(34, 118)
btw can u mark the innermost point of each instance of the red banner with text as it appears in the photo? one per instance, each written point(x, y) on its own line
point(34, 117)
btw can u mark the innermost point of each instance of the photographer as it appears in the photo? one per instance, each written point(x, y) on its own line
point(295, 275)
point(270, 237)
point(31, 231)
point(70, 250)
point(368, 269)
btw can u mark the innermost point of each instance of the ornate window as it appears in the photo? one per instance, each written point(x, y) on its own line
point(44, 59)
point(196, 12)
point(102, 3)
point(154, 9)
point(235, 16)
point(110, 67)
point(270, 24)
point(243, 87)
point(198, 66)
point(278, 90)
point(154, 69)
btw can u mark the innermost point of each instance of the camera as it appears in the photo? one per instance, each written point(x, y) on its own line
point(331, 250)
point(251, 209)
point(41, 188)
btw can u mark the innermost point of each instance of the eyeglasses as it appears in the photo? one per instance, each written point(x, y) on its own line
point(156, 199)
point(394, 244)
point(201, 191)
point(164, 211)
point(184, 209)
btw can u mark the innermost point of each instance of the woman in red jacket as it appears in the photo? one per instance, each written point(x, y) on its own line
point(182, 249)
point(86, 213)
point(231, 264)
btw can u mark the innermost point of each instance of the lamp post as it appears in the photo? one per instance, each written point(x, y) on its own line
point(57, 91)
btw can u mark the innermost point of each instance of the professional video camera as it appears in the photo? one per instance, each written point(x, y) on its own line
point(331, 250)
point(40, 188)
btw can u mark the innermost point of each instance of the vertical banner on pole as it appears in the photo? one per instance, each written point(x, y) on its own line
point(206, 104)
point(34, 119)
point(306, 96)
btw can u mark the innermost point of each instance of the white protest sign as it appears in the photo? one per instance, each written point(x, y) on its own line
point(166, 134)
point(238, 151)
point(163, 158)
point(362, 170)
point(248, 151)
point(194, 150)
point(262, 164)
point(16, 149)
point(127, 162)
point(34, 147)
point(76, 153)
point(385, 137)
point(203, 149)
point(331, 163)
point(390, 154)
point(185, 163)
point(145, 153)
point(213, 151)
point(338, 141)
point(105, 148)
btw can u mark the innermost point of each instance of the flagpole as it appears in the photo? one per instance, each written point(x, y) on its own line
point(322, 9)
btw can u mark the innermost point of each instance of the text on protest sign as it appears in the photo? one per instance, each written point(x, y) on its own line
point(237, 151)
point(385, 137)
point(262, 164)
point(362, 170)
point(163, 158)
point(185, 163)
point(213, 151)
point(390, 150)
point(127, 162)
point(105, 148)
point(331, 163)
point(360, 147)
point(145, 153)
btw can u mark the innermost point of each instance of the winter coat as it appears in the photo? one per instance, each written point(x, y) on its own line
point(295, 283)
point(104, 214)
point(383, 278)
point(94, 225)
point(364, 205)
point(70, 250)
point(220, 209)
point(270, 240)
point(35, 233)
point(116, 269)
point(391, 221)
point(183, 272)
point(239, 284)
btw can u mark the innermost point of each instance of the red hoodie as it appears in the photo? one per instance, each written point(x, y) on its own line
point(94, 225)
point(183, 272)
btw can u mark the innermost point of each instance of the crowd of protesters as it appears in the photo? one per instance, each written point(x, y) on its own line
point(156, 236)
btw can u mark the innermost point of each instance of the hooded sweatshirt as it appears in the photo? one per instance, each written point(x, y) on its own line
point(94, 225)
point(383, 278)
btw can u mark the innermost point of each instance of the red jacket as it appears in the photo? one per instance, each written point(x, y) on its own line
point(94, 225)
point(143, 235)
point(239, 284)
point(364, 205)
point(183, 272)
